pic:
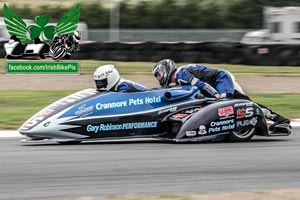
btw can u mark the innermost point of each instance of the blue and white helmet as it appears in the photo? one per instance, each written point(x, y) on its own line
point(163, 71)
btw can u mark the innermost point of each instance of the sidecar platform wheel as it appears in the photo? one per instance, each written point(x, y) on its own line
point(242, 136)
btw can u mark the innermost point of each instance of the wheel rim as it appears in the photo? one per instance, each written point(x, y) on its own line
point(244, 133)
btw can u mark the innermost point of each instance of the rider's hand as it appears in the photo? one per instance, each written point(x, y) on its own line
point(217, 96)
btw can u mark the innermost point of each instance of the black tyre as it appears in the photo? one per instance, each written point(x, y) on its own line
point(241, 136)
point(59, 53)
point(70, 142)
point(44, 51)
point(42, 56)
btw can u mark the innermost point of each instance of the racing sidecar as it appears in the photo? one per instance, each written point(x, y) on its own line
point(15, 49)
point(179, 114)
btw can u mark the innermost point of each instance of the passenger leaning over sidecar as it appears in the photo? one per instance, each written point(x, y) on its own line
point(107, 77)
point(213, 82)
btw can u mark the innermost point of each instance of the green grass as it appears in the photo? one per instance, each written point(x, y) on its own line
point(284, 104)
point(17, 106)
point(88, 66)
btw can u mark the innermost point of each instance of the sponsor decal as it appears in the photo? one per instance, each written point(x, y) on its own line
point(190, 133)
point(84, 111)
point(121, 126)
point(32, 122)
point(46, 111)
point(202, 130)
point(242, 113)
point(253, 121)
point(193, 110)
point(46, 124)
point(172, 109)
point(151, 100)
point(179, 115)
point(117, 104)
point(104, 74)
point(243, 104)
point(92, 128)
point(135, 102)
point(73, 98)
point(129, 102)
point(221, 126)
point(220, 123)
point(248, 122)
point(226, 111)
point(227, 117)
point(257, 111)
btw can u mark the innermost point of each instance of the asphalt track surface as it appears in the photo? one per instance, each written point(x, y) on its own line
point(97, 169)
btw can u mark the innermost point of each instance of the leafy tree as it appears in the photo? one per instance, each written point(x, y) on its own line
point(215, 14)
point(94, 15)
point(279, 3)
point(212, 15)
point(142, 15)
point(191, 10)
point(166, 14)
point(244, 14)
point(127, 18)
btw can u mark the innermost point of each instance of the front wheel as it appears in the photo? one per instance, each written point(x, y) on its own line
point(241, 136)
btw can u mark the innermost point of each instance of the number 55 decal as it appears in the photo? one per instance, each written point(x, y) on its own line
point(243, 113)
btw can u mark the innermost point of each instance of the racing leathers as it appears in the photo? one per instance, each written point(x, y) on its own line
point(212, 82)
point(219, 83)
point(129, 86)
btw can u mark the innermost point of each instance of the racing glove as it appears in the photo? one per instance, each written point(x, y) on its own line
point(208, 89)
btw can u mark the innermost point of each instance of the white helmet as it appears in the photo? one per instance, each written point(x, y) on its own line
point(76, 35)
point(106, 77)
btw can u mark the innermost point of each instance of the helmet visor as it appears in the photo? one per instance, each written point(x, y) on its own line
point(101, 84)
point(160, 75)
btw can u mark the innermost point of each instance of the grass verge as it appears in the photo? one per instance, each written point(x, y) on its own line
point(286, 194)
point(88, 67)
point(18, 105)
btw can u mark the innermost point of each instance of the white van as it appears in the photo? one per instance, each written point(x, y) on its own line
point(257, 36)
point(282, 25)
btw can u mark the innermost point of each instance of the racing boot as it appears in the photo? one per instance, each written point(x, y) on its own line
point(276, 118)
point(226, 96)
point(280, 120)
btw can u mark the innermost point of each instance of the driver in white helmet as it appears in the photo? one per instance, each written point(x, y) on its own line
point(108, 78)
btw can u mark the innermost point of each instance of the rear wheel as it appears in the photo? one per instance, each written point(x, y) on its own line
point(59, 52)
point(241, 136)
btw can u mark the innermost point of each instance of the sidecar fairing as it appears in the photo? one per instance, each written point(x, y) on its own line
point(178, 114)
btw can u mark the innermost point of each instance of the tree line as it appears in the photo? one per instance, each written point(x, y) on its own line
point(167, 14)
